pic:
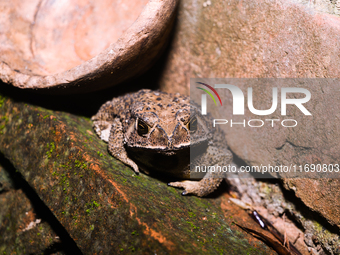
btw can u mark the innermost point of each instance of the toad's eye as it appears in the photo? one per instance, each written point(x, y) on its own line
point(192, 125)
point(142, 128)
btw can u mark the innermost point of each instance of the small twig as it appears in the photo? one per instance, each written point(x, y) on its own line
point(297, 238)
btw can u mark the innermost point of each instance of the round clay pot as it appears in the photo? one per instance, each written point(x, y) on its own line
point(81, 45)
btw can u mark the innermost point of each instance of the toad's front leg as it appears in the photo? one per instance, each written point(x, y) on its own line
point(116, 145)
point(217, 154)
point(199, 188)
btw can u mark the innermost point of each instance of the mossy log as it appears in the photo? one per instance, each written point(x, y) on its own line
point(102, 204)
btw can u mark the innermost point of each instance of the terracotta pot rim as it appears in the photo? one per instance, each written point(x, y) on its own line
point(139, 42)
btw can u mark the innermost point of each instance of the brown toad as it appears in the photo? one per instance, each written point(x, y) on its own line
point(156, 131)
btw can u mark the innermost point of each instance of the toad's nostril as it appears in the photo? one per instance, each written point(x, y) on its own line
point(169, 143)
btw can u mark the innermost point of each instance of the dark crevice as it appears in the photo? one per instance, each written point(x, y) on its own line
point(281, 147)
point(53, 248)
point(68, 246)
point(306, 212)
point(290, 196)
point(293, 218)
point(293, 145)
point(3, 189)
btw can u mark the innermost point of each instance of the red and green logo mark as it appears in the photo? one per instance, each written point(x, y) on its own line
point(209, 93)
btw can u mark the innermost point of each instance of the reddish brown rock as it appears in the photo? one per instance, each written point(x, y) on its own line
point(82, 45)
point(273, 39)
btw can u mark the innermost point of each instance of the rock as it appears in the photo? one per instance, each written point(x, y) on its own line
point(268, 39)
point(101, 203)
point(21, 231)
point(81, 46)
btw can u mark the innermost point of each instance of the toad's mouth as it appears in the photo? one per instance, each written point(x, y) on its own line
point(173, 162)
point(160, 149)
point(168, 150)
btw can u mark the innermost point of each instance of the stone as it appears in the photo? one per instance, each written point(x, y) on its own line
point(267, 39)
point(80, 46)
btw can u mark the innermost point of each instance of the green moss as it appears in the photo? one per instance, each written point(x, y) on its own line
point(191, 214)
point(90, 207)
point(2, 101)
point(192, 225)
point(5, 118)
point(317, 226)
point(77, 163)
point(50, 147)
